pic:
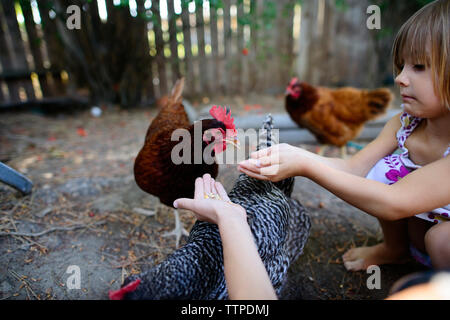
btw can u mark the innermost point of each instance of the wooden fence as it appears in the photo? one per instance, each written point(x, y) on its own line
point(237, 47)
point(246, 45)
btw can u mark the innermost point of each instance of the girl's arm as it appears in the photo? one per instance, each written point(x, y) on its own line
point(423, 190)
point(245, 273)
point(288, 157)
point(361, 163)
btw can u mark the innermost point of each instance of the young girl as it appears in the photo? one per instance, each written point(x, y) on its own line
point(409, 192)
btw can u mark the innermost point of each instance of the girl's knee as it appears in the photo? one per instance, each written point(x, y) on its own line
point(437, 243)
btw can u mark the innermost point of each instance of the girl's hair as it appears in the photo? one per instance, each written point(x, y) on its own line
point(428, 29)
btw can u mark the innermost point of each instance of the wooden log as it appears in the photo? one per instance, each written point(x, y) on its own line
point(283, 121)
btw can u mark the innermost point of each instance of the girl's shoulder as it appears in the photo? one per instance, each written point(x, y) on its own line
point(408, 124)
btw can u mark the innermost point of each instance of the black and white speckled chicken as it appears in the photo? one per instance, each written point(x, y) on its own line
point(280, 226)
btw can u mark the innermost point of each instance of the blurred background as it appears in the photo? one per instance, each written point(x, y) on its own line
point(131, 52)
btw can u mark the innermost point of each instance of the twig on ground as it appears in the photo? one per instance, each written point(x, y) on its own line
point(38, 234)
point(24, 283)
point(128, 263)
point(144, 212)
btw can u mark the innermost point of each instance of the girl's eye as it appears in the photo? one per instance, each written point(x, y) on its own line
point(419, 67)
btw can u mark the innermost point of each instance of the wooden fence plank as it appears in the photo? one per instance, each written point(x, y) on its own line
point(215, 65)
point(35, 42)
point(227, 36)
point(190, 83)
point(284, 43)
point(264, 66)
point(53, 47)
point(201, 58)
point(2, 96)
point(18, 58)
point(5, 56)
point(149, 91)
point(238, 65)
point(174, 60)
point(160, 60)
point(253, 50)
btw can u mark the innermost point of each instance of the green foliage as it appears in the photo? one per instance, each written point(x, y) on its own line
point(341, 5)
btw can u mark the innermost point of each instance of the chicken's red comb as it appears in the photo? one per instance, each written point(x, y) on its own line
point(293, 81)
point(119, 294)
point(221, 114)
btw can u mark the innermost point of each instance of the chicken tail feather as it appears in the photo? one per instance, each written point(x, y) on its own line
point(378, 101)
point(268, 138)
point(177, 91)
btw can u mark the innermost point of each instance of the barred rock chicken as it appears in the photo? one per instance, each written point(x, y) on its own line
point(334, 116)
point(280, 226)
point(155, 169)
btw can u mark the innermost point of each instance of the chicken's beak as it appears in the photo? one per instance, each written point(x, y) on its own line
point(234, 141)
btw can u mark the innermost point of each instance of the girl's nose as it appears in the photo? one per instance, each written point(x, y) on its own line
point(401, 79)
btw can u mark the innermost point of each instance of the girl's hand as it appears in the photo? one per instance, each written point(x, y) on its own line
point(211, 202)
point(276, 163)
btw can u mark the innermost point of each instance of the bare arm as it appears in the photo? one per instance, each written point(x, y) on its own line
point(245, 273)
point(364, 160)
point(423, 190)
point(288, 159)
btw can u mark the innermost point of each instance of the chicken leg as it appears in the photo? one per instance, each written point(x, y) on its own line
point(178, 231)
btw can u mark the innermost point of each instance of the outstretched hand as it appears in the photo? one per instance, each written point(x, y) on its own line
point(210, 201)
point(276, 163)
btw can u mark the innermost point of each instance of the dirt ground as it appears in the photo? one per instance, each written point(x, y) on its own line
point(85, 196)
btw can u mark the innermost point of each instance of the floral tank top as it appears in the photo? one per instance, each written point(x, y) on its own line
point(393, 167)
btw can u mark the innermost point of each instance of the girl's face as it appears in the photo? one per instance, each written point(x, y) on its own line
point(417, 90)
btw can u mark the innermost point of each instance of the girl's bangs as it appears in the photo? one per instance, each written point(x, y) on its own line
point(411, 44)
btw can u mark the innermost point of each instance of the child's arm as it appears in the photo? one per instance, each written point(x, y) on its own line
point(416, 193)
point(290, 158)
point(423, 190)
point(364, 160)
point(245, 273)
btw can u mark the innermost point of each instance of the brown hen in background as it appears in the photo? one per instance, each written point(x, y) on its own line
point(334, 116)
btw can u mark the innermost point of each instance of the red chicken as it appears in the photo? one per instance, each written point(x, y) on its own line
point(155, 171)
point(334, 116)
